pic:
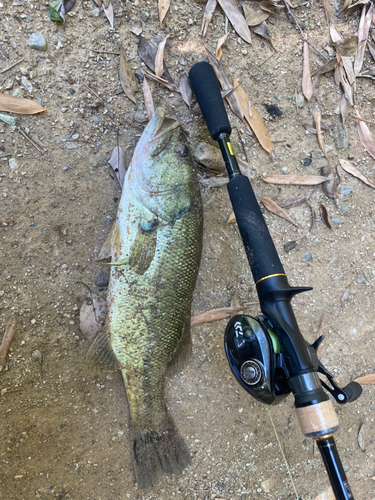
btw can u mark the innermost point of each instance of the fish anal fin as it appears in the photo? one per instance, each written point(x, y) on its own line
point(100, 357)
point(142, 250)
point(111, 244)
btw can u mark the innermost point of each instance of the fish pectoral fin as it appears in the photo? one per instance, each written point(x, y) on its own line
point(100, 357)
point(111, 244)
point(142, 250)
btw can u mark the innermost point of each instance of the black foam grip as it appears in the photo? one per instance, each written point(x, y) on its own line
point(260, 249)
point(207, 91)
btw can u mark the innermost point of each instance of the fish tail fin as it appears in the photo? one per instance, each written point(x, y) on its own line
point(158, 451)
point(100, 357)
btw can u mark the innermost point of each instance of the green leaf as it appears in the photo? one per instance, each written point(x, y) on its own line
point(54, 8)
point(8, 119)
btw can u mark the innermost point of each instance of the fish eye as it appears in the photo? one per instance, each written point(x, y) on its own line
point(181, 150)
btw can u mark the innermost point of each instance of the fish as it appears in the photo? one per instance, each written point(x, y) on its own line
point(156, 246)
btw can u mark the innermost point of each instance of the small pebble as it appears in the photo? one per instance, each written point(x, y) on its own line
point(346, 468)
point(345, 190)
point(290, 245)
point(306, 162)
point(101, 279)
point(308, 257)
point(144, 15)
point(65, 169)
point(337, 220)
point(34, 224)
point(62, 37)
point(13, 164)
point(360, 280)
point(108, 217)
point(25, 82)
point(300, 100)
point(284, 170)
point(38, 42)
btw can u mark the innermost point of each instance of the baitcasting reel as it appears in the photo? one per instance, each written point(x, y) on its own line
point(255, 358)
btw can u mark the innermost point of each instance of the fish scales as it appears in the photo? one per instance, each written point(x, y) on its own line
point(156, 248)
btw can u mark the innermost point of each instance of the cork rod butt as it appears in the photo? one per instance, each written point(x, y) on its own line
point(318, 420)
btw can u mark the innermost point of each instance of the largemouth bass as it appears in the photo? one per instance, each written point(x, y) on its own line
point(156, 247)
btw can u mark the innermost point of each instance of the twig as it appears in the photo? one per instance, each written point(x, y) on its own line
point(362, 119)
point(11, 66)
point(93, 91)
point(34, 143)
point(107, 52)
point(266, 59)
point(302, 35)
point(5, 391)
point(132, 124)
point(7, 340)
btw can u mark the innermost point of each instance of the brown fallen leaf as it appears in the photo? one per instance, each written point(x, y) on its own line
point(127, 78)
point(117, 162)
point(366, 379)
point(347, 47)
point(363, 31)
point(254, 120)
point(254, 17)
point(147, 96)
point(231, 219)
point(329, 187)
point(326, 68)
point(360, 439)
point(297, 200)
point(298, 180)
point(351, 169)
point(307, 88)
point(262, 30)
point(209, 156)
point(220, 43)
point(207, 15)
point(214, 182)
point(215, 315)
point(108, 11)
point(186, 90)
point(317, 115)
point(92, 316)
point(147, 52)
point(10, 331)
point(324, 215)
point(234, 301)
point(163, 6)
point(168, 85)
point(19, 105)
point(236, 18)
point(273, 207)
point(159, 58)
point(366, 137)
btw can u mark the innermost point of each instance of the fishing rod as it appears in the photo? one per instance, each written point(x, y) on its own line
point(267, 354)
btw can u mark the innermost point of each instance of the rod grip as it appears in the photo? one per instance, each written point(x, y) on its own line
point(260, 249)
point(207, 91)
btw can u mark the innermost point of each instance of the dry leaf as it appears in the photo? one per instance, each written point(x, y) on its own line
point(360, 439)
point(92, 316)
point(262, 30)
point(209, 156)
point(329, 188)
point(366, 137)
point(371, 48)
point(254, 17)
point(108, 11)
point(186, 90)
point(215, 315)
point(163, 6)
point(298, 180)
point(347, 47)
point(366, 379)
point(345, 296)
point(344, 107)
point(169, 86)
point(254, 120)
point(7, 340)
point(317, 119)
point(147, 52)
point(234, 301)
point(147, 96)
point(307, 88)
point(214, 182)
point(207, 15)
point(231, 219)
point(363, 31)
point(159, 58)
point(225, 83)
point(326, 68)
point(19, 105)
point(298, 200)
point(127, 78)
point(324, 216)
point(117, 162)
point(351, 169)
point(273, 207)
point(236, 18)
point(326, 495)
point(220, 43)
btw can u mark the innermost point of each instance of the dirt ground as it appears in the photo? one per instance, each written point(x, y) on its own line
point(63, 432)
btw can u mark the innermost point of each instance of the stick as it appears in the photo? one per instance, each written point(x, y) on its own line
point(35, 144)
point(11, 66)
point(7, 340)
point(106, 52)
point(93, 91)
point(269, 57)
point(215, 315)
point(303, 36)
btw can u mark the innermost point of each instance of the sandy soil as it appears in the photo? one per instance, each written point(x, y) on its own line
point(63, 432)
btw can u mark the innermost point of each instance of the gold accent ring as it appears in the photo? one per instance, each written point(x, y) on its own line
point(270, 276)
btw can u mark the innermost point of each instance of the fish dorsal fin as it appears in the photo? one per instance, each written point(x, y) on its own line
point(100, 357)
point(111, 244)
point(142, 250)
